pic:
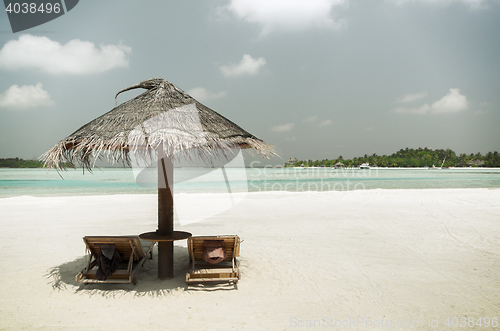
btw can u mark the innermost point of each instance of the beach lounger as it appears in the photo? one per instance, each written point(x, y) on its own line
point(128, 254)
point(213, 271)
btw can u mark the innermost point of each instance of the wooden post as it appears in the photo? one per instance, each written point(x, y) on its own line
point(165, 215)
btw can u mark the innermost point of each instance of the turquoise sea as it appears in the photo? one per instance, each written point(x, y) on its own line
point(105, 181)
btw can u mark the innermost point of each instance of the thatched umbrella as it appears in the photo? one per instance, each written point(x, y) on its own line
point(166, 121)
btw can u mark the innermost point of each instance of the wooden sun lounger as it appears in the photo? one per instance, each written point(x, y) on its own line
point(134, 253)
point(201, 271)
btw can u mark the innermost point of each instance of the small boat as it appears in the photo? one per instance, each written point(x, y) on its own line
point(436, 168)
point(364, 166)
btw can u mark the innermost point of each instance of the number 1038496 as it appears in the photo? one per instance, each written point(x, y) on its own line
point(464, 322)
point(33, 8)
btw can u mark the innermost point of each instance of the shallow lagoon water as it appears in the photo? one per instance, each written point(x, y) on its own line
point(106, 181)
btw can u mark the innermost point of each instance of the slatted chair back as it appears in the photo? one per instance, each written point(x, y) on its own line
point(226, 271)
point(126, 246)
point(196, 246)
point(132, 253)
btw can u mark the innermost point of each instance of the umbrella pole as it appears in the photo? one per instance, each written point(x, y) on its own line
point(165, 215)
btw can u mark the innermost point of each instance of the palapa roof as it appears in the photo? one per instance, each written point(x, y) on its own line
point(162, 116)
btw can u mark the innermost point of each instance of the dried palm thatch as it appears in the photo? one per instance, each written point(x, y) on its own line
point(163, 116)
point(166, 120)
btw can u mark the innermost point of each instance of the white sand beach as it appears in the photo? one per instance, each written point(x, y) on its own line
point(354, 260)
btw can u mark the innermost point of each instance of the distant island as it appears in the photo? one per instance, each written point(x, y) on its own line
point(408, 158)
point(404, 158)
point(20, 163)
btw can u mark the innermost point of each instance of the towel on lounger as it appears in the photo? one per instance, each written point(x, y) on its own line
point(108, 261)
point(214, 251)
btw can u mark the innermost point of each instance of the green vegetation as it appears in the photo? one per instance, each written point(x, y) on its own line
point(421, 157)
point(20, 163)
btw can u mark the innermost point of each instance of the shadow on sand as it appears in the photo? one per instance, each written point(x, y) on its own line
point(62, 278)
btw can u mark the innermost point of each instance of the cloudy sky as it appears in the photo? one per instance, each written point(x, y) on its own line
point(316, 78)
